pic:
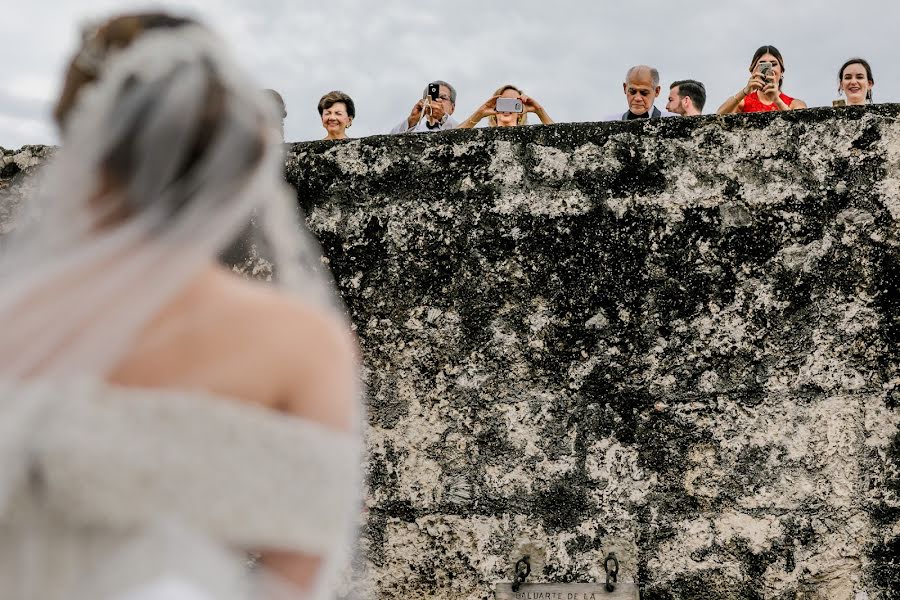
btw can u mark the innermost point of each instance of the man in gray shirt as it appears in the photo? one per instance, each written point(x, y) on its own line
point(429, 114)
point(641, 89)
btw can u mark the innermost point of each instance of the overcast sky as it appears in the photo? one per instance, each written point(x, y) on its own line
point(571, 55)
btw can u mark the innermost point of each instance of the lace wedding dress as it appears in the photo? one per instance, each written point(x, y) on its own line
point(104, 480)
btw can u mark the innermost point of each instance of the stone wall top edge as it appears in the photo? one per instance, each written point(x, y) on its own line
point(662, 128)
point(811, 115)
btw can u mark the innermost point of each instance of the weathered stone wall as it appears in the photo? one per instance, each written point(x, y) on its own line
point(17, 181)
point(675, 340)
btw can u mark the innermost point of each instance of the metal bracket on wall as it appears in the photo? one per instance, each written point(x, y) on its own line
point(612, 574)
point(612, 589)
point(522, 570)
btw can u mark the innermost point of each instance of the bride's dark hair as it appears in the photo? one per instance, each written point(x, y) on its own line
point(168, 150)
point(137, 105)
point(117, 33)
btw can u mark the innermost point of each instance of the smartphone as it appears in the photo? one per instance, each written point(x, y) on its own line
point(838, 103)
point(764, 68)
point(434, 91)
point(509, 105)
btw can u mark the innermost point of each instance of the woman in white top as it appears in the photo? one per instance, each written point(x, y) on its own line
point(160, 416)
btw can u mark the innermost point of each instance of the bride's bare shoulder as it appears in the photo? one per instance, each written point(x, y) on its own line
point(311, 351)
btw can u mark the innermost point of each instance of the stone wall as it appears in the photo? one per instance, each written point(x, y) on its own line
point(675, 340)
point(17, 181)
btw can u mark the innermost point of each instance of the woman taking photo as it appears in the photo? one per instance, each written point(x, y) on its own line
point(337, 112)
point(855, 82)
point(763, 90)
point(506, 119)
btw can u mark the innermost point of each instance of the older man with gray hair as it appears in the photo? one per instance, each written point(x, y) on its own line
point(432, 112)
point(641, 89)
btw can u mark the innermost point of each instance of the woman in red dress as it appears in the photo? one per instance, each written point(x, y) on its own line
point(763, 90)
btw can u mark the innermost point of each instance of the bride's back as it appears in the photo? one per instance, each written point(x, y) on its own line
point(143, 386)
point(241, 340)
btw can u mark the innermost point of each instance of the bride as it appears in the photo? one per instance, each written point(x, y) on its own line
point(161, 417)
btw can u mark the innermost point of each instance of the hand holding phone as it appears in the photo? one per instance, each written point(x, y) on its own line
point(416, 113)
point(765, 69)
point(431, 98)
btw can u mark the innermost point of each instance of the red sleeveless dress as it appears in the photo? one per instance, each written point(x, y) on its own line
point(752, 103)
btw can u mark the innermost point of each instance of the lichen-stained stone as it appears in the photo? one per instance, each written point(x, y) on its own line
point(675, 340)
point(18, 180)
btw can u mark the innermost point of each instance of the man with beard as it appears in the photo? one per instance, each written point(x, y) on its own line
point(687, 98)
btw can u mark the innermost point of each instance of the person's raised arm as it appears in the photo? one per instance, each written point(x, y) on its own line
point(415, 114)
point(772, 90)
point(735, 104)
point(782, 105)
point(485, 110)
point(412, 120)
point(533, 106)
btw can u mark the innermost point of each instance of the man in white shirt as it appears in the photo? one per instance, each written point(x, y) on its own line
point(641, 89)
point(431, 114)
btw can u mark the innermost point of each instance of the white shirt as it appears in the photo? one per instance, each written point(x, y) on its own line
point(422, 126)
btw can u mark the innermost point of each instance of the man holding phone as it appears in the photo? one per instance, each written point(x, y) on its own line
point(432, 112)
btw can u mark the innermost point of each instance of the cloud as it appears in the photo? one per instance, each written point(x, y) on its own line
point(571, 55)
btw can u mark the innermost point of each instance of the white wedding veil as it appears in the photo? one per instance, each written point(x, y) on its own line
point(168, 156)
point(113, 251)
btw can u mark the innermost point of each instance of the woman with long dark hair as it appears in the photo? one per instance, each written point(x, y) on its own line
point(763, 90)
point(855, 82)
